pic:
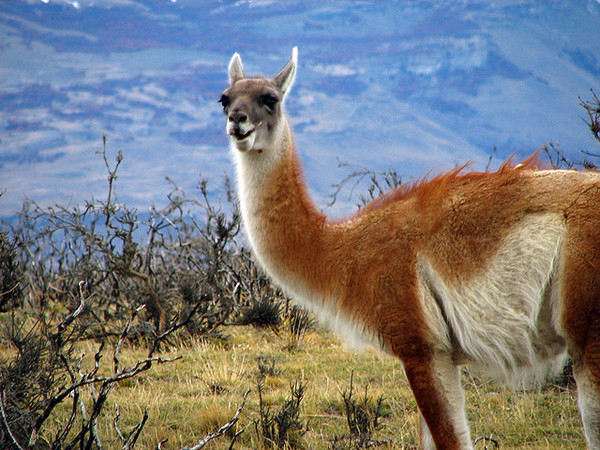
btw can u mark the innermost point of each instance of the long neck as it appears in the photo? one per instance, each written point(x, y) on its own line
point(285, 229)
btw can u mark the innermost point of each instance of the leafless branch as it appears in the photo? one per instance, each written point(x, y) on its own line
point(487, 439)
point(379, 182)
point(106, 384)
point(124, 334)
point(224, 429)
point(135, 433)
point(75, 314)
point(556, 156)
point(116, 423)
point(592, 107)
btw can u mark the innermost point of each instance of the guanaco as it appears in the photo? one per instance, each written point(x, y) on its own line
point(498, 270)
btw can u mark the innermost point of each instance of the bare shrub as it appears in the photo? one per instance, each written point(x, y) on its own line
point(266, 367)
point(300, 322)
point(170, 260)
point(264, 313)
point(363, 416)
point(178, 268)
point(26, 382)
point(45, 373)
point(285, 428)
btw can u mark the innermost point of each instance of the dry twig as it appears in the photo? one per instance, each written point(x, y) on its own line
point(224, 429)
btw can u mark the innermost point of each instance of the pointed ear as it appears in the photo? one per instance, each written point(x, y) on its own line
point(236, 71)
point(284, 79)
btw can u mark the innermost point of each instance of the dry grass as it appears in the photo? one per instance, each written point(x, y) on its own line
point(188, 398)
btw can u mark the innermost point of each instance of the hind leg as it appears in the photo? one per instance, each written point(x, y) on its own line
point(586, 369)
point(579, 306)
point(588, 400)
point(437, 388)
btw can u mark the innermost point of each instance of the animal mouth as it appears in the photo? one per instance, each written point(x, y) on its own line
point(241, 136)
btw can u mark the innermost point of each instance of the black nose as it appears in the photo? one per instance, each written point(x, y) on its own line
point(238, 116)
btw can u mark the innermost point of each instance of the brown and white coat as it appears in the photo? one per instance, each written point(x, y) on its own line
point(497, 270)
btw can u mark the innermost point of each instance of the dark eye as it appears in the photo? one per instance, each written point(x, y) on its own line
point(225, 101)
point(269, 101)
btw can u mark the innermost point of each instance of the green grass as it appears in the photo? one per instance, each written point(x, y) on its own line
point(195, 395)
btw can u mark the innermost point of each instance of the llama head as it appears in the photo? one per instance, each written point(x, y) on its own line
point(253, 106)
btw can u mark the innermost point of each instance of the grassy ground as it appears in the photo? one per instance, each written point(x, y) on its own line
point(188, 398)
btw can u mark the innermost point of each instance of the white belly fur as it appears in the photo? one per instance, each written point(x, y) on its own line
point(505, 319)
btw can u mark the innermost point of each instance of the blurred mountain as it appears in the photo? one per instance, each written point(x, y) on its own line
point(416, 85)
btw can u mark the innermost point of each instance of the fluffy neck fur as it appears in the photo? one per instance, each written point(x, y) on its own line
point(285, 229)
